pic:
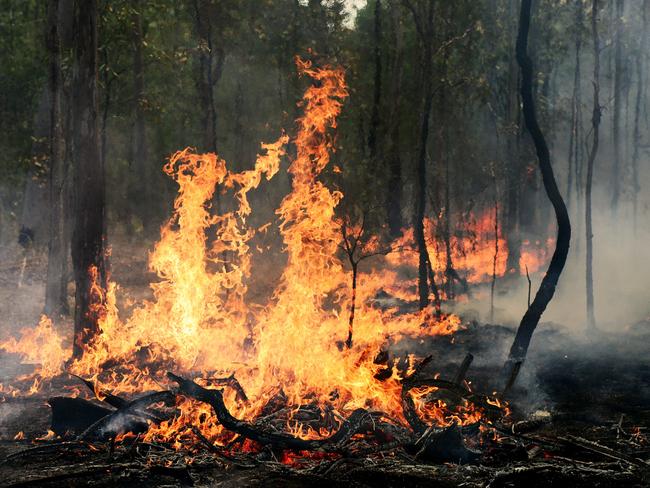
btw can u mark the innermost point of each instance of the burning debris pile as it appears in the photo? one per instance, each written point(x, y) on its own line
point(308, 377)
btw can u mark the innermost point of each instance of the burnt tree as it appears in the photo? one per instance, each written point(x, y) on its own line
point(140, 188)
point(376, 99)
point(618, 95)
point(425, 29)
point(56, 303)
point(211, 59)
point(547, 288)
point(394, 193)
point(595, 122)
point(88, 253)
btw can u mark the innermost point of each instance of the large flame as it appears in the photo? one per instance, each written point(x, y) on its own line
point(201, 321)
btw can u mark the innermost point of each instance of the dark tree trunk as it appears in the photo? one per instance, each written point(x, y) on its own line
point(425, 35)
point(595, 121)
point(547, 288)
point(56, 303)
point(640, 95)
point(618, 85)
point(376, 99)
point(353, 301)
point(514, 173)
point(140, 194)
point(576, 102)
point(88, 251)
point(210, 64)
point(496, 249)
point(394, 193)
point(211, 61)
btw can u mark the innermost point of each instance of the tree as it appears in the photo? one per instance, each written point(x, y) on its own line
point(640, 96)
point(88, 252)
point(211, 58)
point(376, 100)
point(547, 287)
point(618, 95)
point(595, 122)
point(56, 303)
point(140, 187)
point(394, 190)
point(424, 25)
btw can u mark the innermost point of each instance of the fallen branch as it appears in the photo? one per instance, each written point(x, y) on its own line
point(357, 422)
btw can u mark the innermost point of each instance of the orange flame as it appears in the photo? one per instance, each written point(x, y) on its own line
point(200, 319)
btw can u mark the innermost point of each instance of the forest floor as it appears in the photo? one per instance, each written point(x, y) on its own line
point(596, 391)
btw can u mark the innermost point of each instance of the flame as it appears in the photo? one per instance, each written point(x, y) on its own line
point(201, 320)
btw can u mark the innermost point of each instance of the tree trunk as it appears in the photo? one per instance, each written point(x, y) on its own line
point(374, 119)
point(514, 174)
point(425, 33)
point(211, 61)
point(547, 288)
point(88, 253)
point(394, 193)
point(56, 303)
point(595, 121)
point(618, 85)
point(640, 95)
point(209, 73)
point(140, 194)
point(574, 135)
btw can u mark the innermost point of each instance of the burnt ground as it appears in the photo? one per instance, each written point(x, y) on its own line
point(593, 396)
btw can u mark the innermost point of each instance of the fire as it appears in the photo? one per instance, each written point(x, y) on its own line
point(477, 252)
point(201, 320)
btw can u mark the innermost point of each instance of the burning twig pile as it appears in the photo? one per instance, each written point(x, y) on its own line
point(273, 378)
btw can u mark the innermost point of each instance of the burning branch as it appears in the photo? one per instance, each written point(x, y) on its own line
point(360, 420)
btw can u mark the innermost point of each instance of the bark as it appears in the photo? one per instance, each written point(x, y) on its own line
point(375, 119)
point(353, 302)
point(574, 134)
point(210, 63)
point(394, 193)
point(56, 303)
point(140, 194)
point(618, 85)
point(640, 95)
point(425, 35)
point(547, 288)
point(89, 203)
point(595, 121)
point(514, 175)
point(443, 161)
point(496, 250)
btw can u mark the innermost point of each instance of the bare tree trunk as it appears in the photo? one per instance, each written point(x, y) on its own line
point(496, 249)
point(514, 176)
point(595, 121)
point(140, 194)
point(211, 61)
point(56, 303)
point(88, 251)
point(425, 36)
point(394, 193)
point(210, 64)
point(618, 85)
point(576, 102)
point(374, 119)
point(547, 288)
point(640, 95)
